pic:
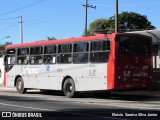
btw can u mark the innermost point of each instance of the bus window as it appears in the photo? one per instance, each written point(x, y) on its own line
point(11, 51)
point(23, 51)
point(65, 48)
point(50, 49)
point(36, 59)
point(80, 54)
point(23, 60)
point(64, 53)
point(9, 59)
point(49, 59)
point(36, 50)
point(99, 51)
point(36, 55)
point(134, 45)
point(106, 45)
point(23, 57)
point(50, 54)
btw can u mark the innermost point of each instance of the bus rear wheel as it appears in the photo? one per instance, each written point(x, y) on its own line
point(20, 86)
point(69, 88)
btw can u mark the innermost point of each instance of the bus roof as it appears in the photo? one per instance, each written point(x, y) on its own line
point(154, 34)
point(48, 42)
point(60, 41)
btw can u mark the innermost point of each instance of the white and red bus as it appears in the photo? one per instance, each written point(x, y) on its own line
point(93, 63)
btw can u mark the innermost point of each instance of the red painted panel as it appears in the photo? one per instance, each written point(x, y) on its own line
point(132, 72)
point(111, 64)
point(4, 82)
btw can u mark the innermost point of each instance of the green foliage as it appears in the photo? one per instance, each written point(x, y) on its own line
point(127, 21)
point(2, 48)
point(51, 38)
point(99, 25)
point(89, 33)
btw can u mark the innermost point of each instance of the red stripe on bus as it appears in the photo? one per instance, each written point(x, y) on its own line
point(4, 82)
point(111, 66)
point(46, 42)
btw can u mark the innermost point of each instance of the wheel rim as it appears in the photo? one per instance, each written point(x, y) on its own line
point(69, 88)
point(19, 86)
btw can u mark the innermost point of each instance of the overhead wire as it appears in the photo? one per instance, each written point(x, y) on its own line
point(9, 18)
point(50, 18)
point(129, 5)
point(15, 10)
point(24, 7)
point(9, 27)
point(38, 21)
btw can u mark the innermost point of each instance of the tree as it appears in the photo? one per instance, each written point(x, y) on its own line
point(127, 21)
point(2, 48)
point(98, 26)
point(51, 38)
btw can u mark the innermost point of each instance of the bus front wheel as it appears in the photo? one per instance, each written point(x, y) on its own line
point(69, 88)
point(20, 86)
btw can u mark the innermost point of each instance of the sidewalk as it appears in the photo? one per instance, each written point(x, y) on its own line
point(3, 88)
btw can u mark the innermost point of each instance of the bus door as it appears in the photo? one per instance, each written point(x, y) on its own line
point(9, 62)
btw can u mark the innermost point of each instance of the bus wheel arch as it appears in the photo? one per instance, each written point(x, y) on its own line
point(16, 78)
point(19, 83)
point(68, 87)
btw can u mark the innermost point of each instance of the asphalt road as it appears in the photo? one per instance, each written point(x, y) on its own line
point(130, 105)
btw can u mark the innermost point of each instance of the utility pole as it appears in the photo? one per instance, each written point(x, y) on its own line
point(116, 17)
point(21, 30)
point(86, 7)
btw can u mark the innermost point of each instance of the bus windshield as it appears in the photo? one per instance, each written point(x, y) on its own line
point(134, 45)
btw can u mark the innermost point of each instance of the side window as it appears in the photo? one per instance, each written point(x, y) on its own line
point(10, 57)
point(36, 55)
point(64, 53)
point(50, 49)
point(100, 51)
point(50, 54)
point(80, 54)
point(11, 51)
point(23, 56)
point(36, 50)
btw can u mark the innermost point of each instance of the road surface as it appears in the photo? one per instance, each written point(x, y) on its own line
point(119, 106)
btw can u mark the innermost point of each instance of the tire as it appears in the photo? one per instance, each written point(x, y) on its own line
point(20, 86)
point(69, 88)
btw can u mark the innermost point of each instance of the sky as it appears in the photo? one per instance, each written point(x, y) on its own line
point(63, 18)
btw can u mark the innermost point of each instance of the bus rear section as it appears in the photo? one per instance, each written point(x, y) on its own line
point(133, 61)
